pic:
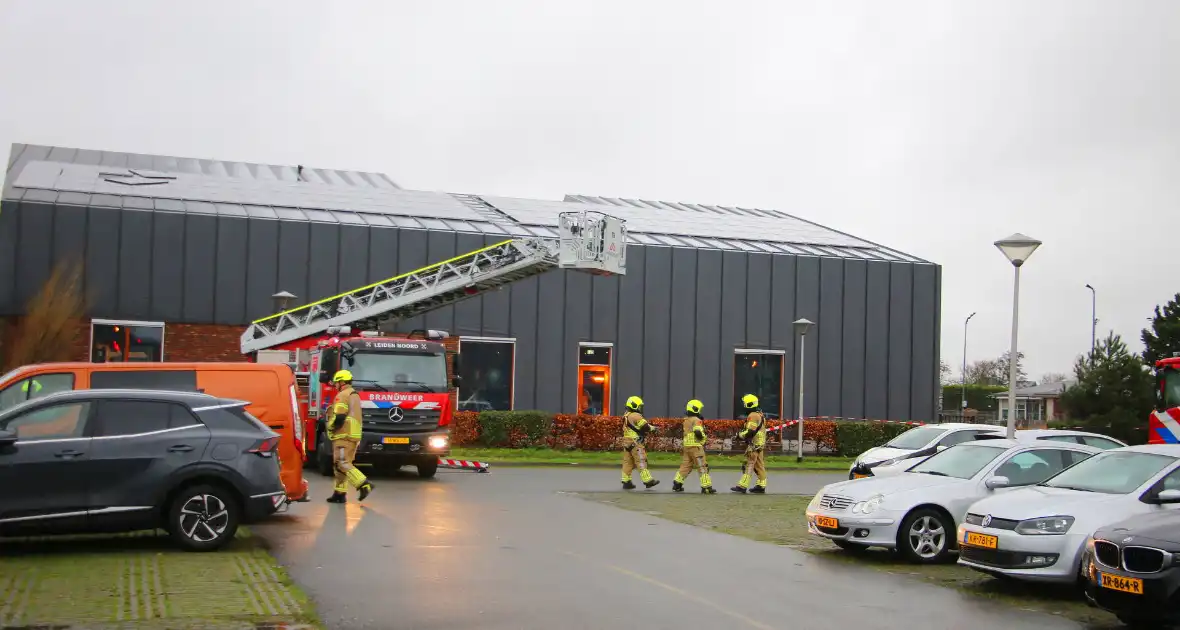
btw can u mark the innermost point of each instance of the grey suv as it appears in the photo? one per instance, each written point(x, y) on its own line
point(116, 460)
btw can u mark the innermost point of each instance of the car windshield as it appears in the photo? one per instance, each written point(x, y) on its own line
point(1111, 472)
point(915, 438)
point(398, 372)
point(963, 461)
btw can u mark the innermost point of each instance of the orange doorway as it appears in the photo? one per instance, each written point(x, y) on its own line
point(594, 389)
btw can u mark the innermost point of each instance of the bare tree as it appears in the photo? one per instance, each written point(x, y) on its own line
point(1052, 377)
point(49, 329)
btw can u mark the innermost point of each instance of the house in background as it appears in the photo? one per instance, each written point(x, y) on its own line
point(1036, 405)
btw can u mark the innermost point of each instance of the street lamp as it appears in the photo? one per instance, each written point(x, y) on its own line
point(802, 325)
point(963, 404)
point(1017, 248)
point(282, 300)
point(1093, 319)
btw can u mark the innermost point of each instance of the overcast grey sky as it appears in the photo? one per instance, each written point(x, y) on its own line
point(932, 127)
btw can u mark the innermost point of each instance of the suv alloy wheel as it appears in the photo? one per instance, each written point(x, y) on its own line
point(203, 518)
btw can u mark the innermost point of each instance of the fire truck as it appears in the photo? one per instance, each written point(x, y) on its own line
point(407, 397)
point(1164, 425)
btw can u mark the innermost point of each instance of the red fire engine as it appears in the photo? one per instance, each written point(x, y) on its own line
point(402, 380)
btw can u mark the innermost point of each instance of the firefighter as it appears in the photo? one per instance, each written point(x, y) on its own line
point(635, 430)
point(754, 434)
point(693, 453)
point(344, 430)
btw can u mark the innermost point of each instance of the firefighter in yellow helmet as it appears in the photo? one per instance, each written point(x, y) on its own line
point(754, 434)
point(692, 455)
point(635, 430)
point(31, 388)
point(344, 430)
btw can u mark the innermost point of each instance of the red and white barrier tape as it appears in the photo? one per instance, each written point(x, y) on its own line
point(791, 423)
point(462, 463)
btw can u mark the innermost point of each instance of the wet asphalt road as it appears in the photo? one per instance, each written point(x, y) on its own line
point(508, 550)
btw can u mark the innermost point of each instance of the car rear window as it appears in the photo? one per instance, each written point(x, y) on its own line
point(232, 418)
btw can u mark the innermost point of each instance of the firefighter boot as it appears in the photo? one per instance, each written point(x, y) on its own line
point(758, 490)
point(365, 489)
point(651, 483)
point(708, 490)
point(337, 497)
point(627, 485)
point(677, 486)
point(738, 489)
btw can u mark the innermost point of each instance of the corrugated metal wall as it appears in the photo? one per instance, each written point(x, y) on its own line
point(675, 318)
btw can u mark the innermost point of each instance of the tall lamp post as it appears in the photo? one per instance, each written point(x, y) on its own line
point(1017, 248)
point(802, 325)
point(963, 403)
point(1093, 319)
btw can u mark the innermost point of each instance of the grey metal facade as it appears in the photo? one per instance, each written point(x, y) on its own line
point(675, 318)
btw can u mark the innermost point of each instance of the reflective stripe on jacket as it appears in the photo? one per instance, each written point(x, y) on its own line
point(755, 422)
point(347, 402)
point(632, 419)
point(691, 437)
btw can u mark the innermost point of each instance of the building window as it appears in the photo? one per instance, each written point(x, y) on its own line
point(119, 342)
point(594, 367)
point(487, 370)
point(761, 374)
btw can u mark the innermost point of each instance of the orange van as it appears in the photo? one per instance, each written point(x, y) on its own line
point(269, 387)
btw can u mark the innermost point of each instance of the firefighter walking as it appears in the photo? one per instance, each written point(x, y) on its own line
point(692, 454)
point(754, 434)
point(344, 430)
point(635, 429)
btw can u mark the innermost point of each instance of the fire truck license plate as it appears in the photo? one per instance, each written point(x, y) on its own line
point(395, 440)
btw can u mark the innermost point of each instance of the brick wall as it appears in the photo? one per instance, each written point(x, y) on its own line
point(202, 342)
point(182, 342)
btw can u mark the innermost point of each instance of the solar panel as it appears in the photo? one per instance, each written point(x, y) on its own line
point(699, 221)
point(85, 178)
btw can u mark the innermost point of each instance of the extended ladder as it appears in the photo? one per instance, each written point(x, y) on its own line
point(587, 241)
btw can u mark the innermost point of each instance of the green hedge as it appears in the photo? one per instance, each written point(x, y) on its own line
point(854, 438)
point(513, 428)
point(978, 397)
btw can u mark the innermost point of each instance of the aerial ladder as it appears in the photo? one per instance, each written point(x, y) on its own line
point(587, 241)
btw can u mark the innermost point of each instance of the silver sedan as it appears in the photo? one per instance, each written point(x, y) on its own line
point(916, 511)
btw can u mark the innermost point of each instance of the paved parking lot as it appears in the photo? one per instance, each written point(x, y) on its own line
point(510, 550)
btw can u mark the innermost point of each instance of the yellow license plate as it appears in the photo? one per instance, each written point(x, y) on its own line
point(981, 540)
point(1133, 586)
point(827, 521)
point(858, 476)
point(395, 440)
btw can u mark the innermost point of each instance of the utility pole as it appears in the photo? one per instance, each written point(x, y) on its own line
point(963, 403)
point(1093, 320)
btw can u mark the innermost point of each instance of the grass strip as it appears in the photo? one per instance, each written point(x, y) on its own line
point(779, 519)
point(552, 457)
point(142, 581)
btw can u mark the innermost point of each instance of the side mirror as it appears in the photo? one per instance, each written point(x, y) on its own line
point(456, 380)
point(996, 482)
point(1163, 498)
point(7, 438)
point(456, 363)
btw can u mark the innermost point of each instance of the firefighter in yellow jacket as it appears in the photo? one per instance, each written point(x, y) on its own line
point(692, 455)
point(635, 429)
point(754, 434)
point(344, 430)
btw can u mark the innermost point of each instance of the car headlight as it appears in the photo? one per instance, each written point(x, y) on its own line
point(868, 505)
point(1049, 525)
point(815, 499)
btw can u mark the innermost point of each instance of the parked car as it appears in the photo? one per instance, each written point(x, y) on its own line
point(118, 460)
point(917, 443)
point(916, 512)
point(1068, 436)
point(1132, 568)
point(269, 388)
point(1039, 533)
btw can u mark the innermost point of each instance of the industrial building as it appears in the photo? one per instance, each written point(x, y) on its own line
point(180, 254)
